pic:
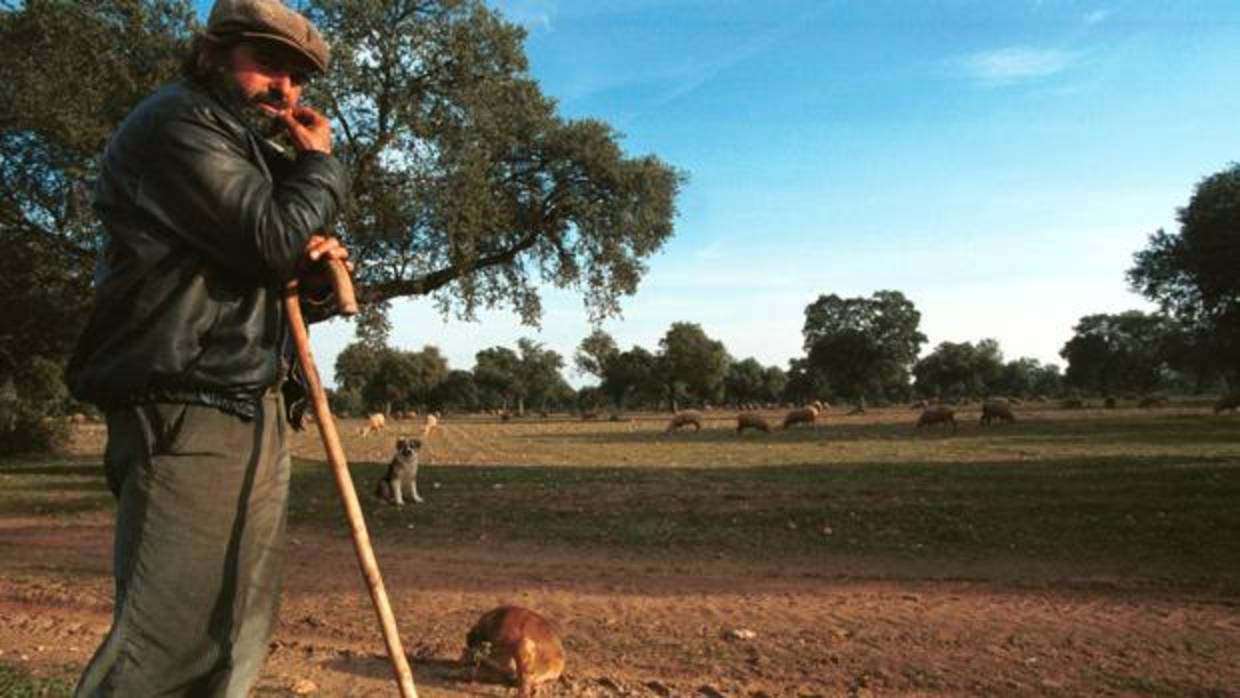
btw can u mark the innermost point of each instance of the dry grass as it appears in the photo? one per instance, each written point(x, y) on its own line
point(879, 436)
point(1124, 493)
point(1072, 493)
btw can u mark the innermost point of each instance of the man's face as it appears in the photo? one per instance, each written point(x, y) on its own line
point(264, 79)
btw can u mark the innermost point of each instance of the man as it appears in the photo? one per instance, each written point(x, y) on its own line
point(187, 350)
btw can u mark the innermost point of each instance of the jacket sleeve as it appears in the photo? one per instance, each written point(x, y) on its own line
point(204, 183)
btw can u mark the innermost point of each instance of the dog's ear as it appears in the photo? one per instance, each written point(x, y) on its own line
point(400, 443)
point(417, 443)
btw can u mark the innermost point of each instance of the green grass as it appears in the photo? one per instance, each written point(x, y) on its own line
point(52, 486)
point(16, 682)
point(1153, 517)
point(1136, 494)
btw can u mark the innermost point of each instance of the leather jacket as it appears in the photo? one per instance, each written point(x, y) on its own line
point(202, 229)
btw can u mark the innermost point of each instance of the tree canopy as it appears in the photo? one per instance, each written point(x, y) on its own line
point(467, 184)
point(1193, 274)
point(959, 369)
point(1122, 352)
point(632, 373)
point(863, 346)
point(58, 104)
point(594, 353)
point(691, 364)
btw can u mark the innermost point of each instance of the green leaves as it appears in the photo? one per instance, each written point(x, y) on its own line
point(1192, 274)
point(467, 185)
point(72, 72)
point(863, 345)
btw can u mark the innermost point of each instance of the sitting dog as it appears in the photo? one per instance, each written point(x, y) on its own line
point(402, 474)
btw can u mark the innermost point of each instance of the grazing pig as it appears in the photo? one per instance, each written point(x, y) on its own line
point(938, 414)
point(375, 423)
point(685, 418)
point(751, 421)
point(518, 644)
point(804, 415)
point(996, 409)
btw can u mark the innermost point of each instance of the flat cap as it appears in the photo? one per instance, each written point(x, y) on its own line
point(271, 20)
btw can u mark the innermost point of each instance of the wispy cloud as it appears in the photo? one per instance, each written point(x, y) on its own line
point(1095, 17)
point(693, 74)
point(531, 14)
point(1011, 65)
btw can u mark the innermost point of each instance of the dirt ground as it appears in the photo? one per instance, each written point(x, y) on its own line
point(652, 626)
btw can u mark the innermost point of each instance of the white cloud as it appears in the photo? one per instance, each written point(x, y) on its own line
point(531, 14)
point(1011, 65)
point(1096, 17)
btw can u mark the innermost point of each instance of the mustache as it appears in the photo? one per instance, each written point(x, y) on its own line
point(272, 98)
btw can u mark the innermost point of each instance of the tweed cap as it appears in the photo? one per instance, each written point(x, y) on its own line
point(268, 19)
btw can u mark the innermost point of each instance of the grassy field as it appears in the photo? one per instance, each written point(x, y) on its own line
point(1140, 493)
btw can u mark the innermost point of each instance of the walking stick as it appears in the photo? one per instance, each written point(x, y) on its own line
point(347, 305)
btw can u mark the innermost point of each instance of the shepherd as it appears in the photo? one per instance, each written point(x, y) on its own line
point(188, 348)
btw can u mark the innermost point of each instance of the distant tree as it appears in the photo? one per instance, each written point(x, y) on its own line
point(558, 395)
point(691, 364)
point(356, 363)
point(466, 182)
point(1048, 381)
point(805, 383)
point(631, 374)
point(457, 391)
point(954, 370)
point(1193, 275)
point(497, 373)
point(1026, 377)
point(390, 382)
point(430, 368)
point(1124, 352)
point(774, 382)
point(540, 378)
point(594, 352)
point(745, 382)
point(863, 346)
point(386, 379)
point(346, 402)
point(589, 398)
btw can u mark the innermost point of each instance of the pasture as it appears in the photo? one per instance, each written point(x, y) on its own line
point(1072, 552)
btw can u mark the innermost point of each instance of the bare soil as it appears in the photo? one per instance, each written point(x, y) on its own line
point(664, 626)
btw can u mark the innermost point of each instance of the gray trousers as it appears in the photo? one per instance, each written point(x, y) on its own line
point(200, 529)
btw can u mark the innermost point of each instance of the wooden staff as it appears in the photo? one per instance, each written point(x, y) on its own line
point(346, 302)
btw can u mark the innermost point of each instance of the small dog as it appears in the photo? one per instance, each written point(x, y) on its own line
point(402, 474)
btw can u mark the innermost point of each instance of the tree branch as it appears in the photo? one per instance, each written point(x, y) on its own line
point(435, 280)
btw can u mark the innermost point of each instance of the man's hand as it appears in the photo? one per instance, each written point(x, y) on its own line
point(326, 248)
point(312, 273)
point(308, 129)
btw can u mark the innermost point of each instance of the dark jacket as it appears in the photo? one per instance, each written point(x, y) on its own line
point(203, 227)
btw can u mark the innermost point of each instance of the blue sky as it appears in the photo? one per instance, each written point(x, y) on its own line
point(998, 161)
